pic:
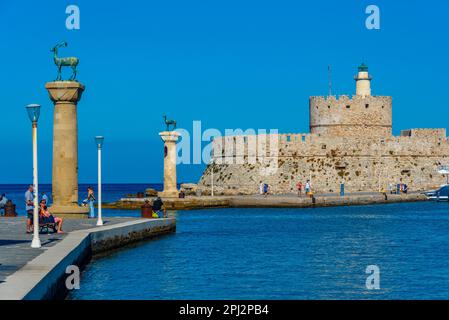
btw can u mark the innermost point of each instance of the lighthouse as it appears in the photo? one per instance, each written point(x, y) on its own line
point(363, 81)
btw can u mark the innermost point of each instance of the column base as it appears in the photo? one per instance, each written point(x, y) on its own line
point(69, 211)
point(169, 194)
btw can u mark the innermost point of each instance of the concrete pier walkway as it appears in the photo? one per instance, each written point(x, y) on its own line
point(27, 273)
point(270, 201)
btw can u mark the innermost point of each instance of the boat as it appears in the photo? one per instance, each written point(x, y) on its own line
point(442, 194)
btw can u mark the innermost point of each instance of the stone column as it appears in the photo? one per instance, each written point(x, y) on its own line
point(170, 187)
point(65, 96)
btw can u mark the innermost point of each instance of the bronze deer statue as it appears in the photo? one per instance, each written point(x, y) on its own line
point(169, 123)
point(64, 62)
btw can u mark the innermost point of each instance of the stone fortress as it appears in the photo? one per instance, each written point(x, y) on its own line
point(350, 142)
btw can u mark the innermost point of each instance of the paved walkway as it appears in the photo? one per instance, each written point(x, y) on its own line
point(15, 250)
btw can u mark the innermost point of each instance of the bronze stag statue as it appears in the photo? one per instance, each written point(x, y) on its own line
point(64, 62)
point(169, 123)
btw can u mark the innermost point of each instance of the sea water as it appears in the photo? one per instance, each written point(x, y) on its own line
point(320, 253)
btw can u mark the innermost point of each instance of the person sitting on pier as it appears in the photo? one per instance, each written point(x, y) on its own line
point(46, 217)
point(158, 210)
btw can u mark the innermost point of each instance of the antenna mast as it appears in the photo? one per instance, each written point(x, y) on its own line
point(329, 75)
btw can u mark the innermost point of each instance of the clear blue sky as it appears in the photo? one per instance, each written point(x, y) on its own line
point(230, 64)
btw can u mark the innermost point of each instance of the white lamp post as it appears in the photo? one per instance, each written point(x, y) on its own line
point(212, 178)
point(99, 141)
point(33, 113)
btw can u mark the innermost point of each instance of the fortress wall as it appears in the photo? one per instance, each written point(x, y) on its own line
point(439, 133)
point(365, 164)
point(359, 116)
point(350, 141)
point(316, 145)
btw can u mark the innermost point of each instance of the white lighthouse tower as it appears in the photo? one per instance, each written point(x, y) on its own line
point(363, 81)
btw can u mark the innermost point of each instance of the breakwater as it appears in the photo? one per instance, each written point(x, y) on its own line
point(277, 201)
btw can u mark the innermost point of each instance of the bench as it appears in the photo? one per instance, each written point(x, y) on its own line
point(47, 226)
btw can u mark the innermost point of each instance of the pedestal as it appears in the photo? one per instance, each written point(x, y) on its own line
point(65, 96)
point(170, 186)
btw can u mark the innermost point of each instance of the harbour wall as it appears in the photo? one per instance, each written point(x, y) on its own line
point(44, 277)
point(363, 164)
point(278, 201)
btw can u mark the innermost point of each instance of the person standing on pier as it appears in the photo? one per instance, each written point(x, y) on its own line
point(29, 207)
point(3, 201)
point(45, 197)
point(299, 187)
point(308, 188)
point(266, 189)
point(261, 184)
point(90, 200)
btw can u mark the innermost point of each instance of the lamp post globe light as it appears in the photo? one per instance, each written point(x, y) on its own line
point(33, 111)
point(99, 142)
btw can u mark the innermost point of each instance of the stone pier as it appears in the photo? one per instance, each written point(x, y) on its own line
point(170, 186)
point(65, 96)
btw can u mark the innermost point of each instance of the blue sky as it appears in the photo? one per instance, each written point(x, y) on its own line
point(230, 64)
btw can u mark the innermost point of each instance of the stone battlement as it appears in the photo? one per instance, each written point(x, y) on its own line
point(357, 116)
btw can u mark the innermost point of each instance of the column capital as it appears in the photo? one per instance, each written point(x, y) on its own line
point(65, 91)
point(169, 136)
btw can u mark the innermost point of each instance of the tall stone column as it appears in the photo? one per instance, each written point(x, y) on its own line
point(170, 185)
point(65, 96)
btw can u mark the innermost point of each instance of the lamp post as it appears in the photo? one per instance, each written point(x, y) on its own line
point(212, 178)
point(33, 113)
point(99, 141)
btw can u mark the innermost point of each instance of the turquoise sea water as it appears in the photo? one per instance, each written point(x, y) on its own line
point(317, 253)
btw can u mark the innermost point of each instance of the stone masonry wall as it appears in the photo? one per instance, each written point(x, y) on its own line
point(362, 163)
point(369, 116)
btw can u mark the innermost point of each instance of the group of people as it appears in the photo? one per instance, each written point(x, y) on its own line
point(398, 188)
point(307, 188)
point(45, 217)
point(264, 188)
